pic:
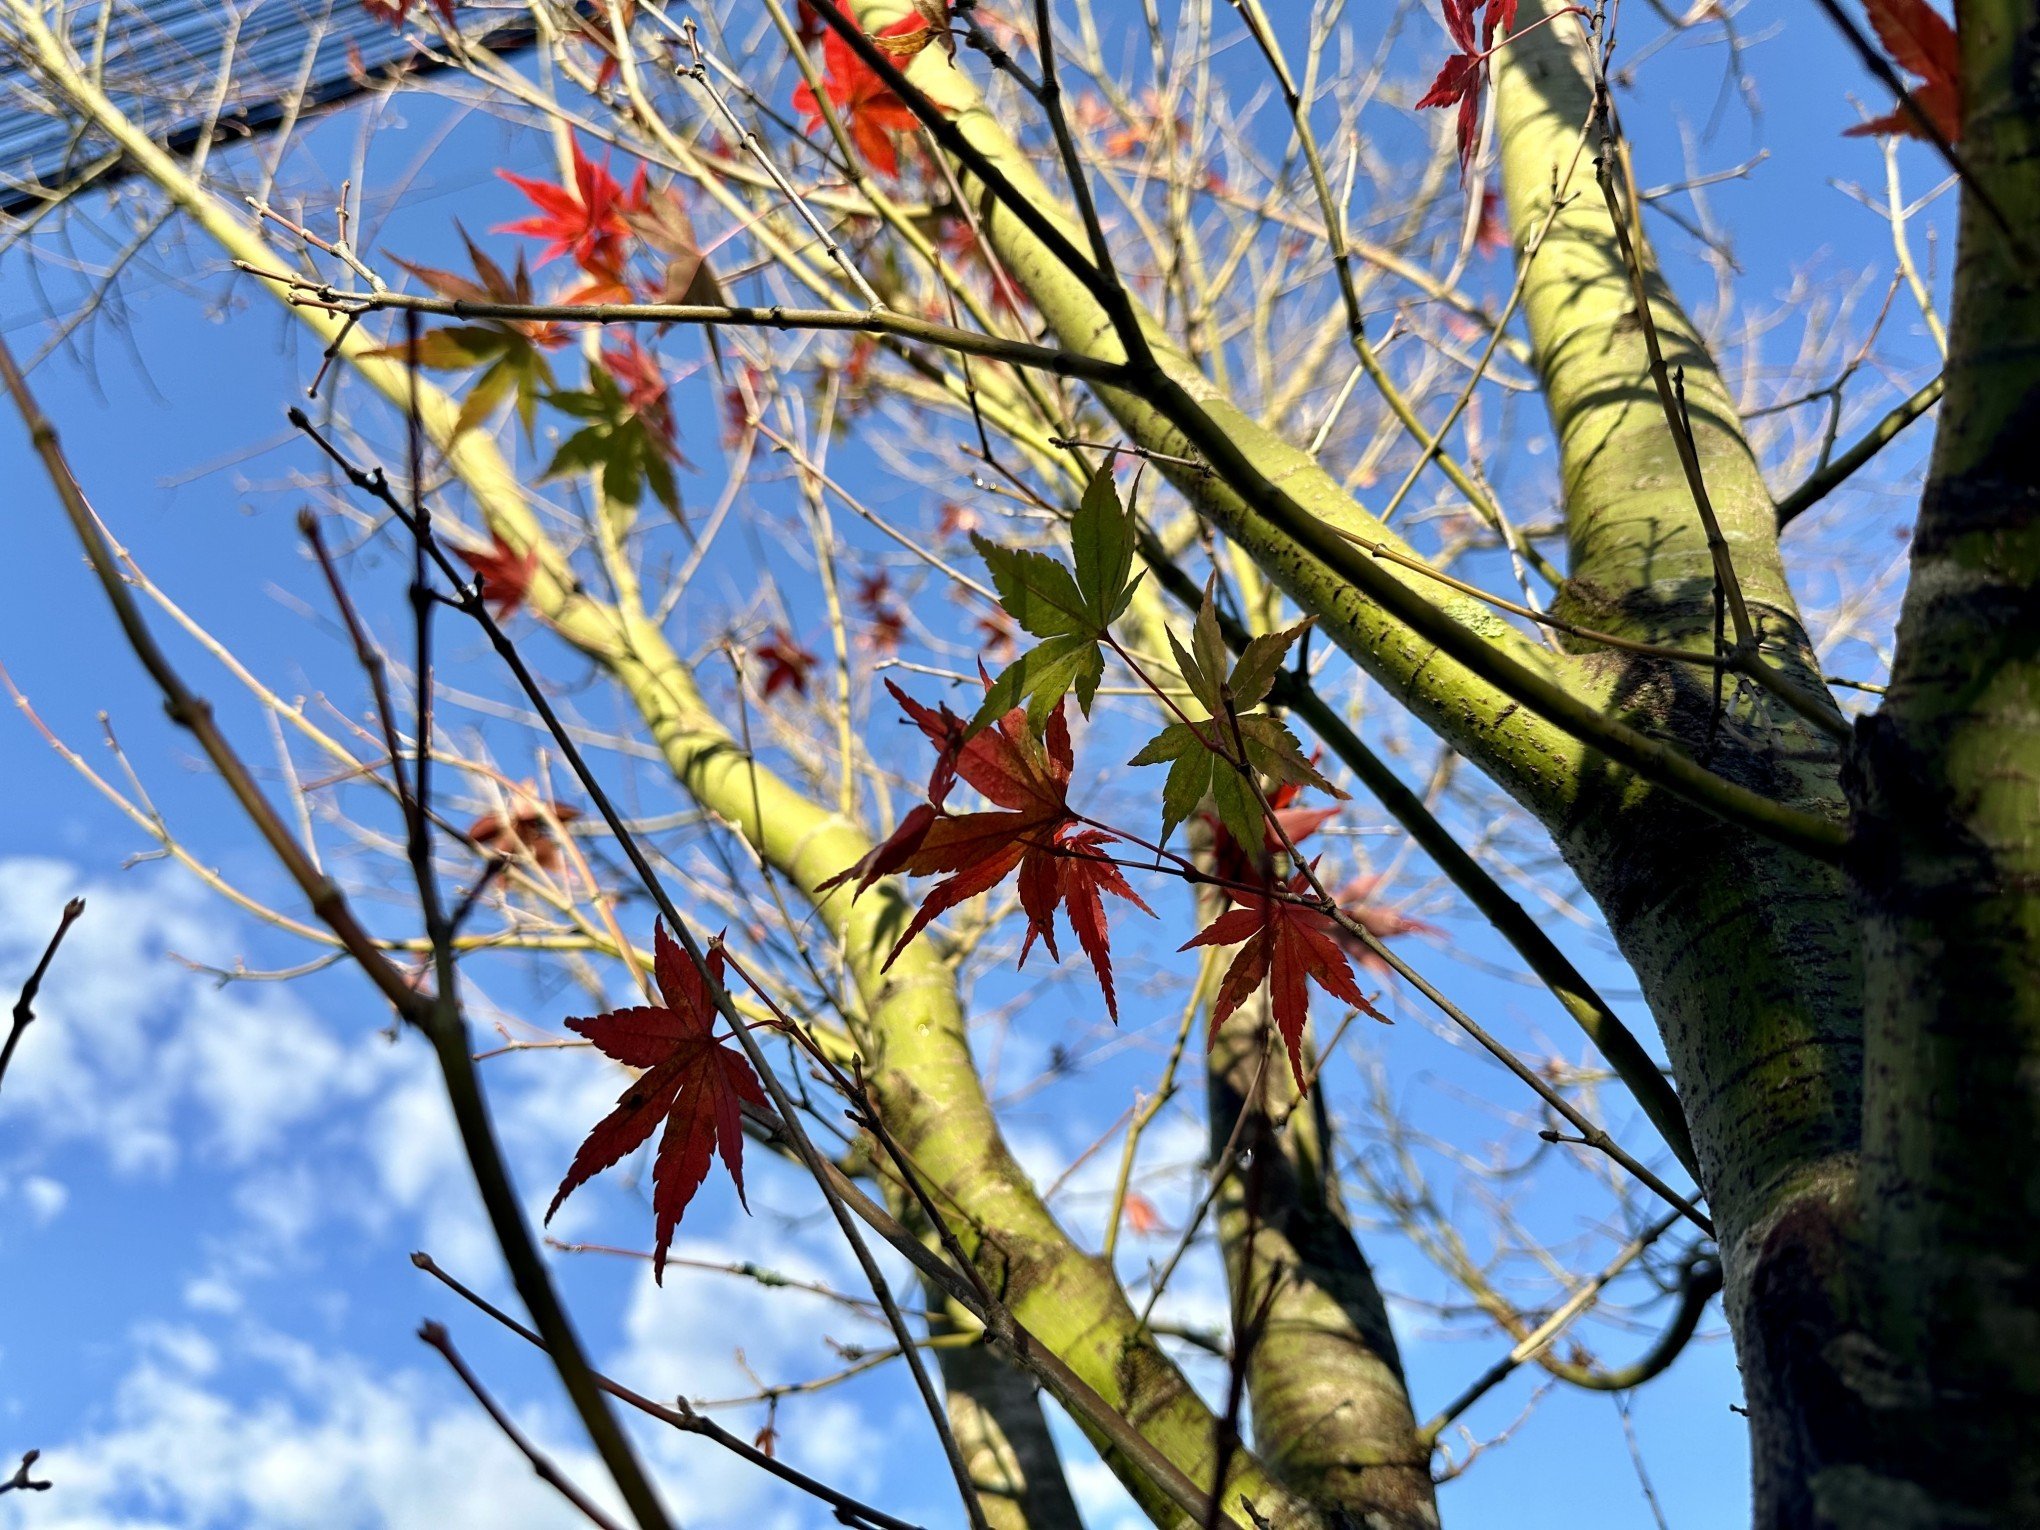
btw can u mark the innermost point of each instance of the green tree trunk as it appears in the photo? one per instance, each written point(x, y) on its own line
point(1331, 1410)
point(1747, 952)
point(1936, 1400)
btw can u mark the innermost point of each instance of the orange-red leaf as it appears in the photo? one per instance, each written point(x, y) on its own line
point(1288, 946)
point(1459, 82)
point(1061, 861)
point(505, 572)
point(1921, 42)
point(525, 829)
point(692, 1084)
point(645, 389)
point(585, 220)
point(865, 103)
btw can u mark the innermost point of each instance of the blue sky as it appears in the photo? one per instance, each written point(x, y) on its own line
point(208, 1193)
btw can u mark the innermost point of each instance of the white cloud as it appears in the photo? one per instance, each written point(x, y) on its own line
point(45, 1198)
point(320, 1440)
point(142, 1057)
point(212, 1293)
point(329, 1445)
point(1102, 1502)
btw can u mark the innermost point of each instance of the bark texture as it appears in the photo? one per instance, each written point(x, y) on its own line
point(1937, 1396)
point(1331, 1409)
point(1745, 951)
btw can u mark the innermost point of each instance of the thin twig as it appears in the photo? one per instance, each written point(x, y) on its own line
point(21, 1481)
point(435, 1335)
point(1841, 468)
point(24, 1007)
point(306, 292)
point(848, 1509)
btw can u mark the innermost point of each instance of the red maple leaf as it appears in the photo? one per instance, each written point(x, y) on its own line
point(996, 638)
point(945, 730)
point(490, 284)
point(1921, 42)
point(691, 1082)
point(1459, 82)
point(505, 572)
point(874, 590)
point(1230, 863)
point(1061, 861)
point(645, 389)
point(866, 104)
point(786, 663)
point(954, 520)
point(584, 220)
point(526, 828)
point(1288, 946)
point(888, 624)
point(1381, 920)
point(887, 631)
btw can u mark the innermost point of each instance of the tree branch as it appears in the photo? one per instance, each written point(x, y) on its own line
point(24, 1006)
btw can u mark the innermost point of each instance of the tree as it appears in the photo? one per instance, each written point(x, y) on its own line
point(1833, 920)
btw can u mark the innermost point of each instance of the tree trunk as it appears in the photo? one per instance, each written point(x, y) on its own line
point(1331, 1410)
point(1746, 951)
point(1937, 1416)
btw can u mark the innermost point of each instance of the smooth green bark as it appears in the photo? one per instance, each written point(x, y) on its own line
point(1331, 1408)
point(1746, 952)
point(1937, 1415)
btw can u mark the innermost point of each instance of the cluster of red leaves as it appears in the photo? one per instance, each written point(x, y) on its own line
point(397, 12)
point(868, 108)
point(1459, 82)
point(1921, 42)
point(692, 1084)
point(787, 664)
point(505, 572)
point(1061, 861)
point(887, 627)
point(585, 220)
point(525, 828)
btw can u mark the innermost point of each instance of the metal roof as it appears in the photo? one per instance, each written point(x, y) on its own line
point(165, 63)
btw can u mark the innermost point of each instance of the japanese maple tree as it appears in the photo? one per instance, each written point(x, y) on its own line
point(930, 490)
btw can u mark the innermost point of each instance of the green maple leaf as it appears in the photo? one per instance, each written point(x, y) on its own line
point(1211, 756)
point(1070, 611)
